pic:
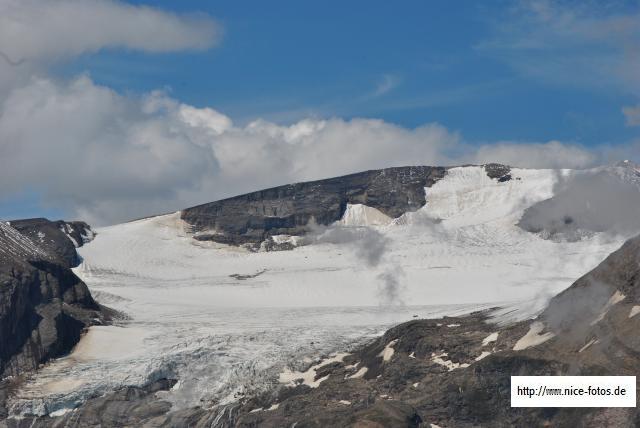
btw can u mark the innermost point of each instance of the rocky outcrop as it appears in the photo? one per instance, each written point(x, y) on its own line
point(251, 218)
point(287, 210)
point(498, 171)
point(44, 306)
point(59, 238)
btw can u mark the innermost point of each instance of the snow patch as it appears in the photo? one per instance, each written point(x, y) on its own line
point(634, 311)
point(363, 215)
point(450, 365)
point(616, 298)
point(359, 374)
point(489, 339)
point(533, 337)
point(110, 343)
point(293, 378)
point(591, 342)
point(483, 355)
point(388, 351)
point(345, 402)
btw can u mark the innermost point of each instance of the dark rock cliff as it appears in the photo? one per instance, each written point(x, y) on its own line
point(59, 238)
point(252, 217)
point(44, 306)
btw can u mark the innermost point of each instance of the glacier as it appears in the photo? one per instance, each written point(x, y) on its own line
point(227, 322)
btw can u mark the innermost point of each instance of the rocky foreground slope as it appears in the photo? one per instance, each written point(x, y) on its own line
point(448, 372)
point(44, 307)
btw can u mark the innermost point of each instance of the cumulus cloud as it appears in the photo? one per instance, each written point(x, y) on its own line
point(81, 143)
point(58, 29)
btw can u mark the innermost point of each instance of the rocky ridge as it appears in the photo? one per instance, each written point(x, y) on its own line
point(256, 217)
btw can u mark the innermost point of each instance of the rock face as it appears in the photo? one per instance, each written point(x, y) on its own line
point(251, 218)
point(44, 307)
point(498, 171)
point(59, 238)
point(286, 210)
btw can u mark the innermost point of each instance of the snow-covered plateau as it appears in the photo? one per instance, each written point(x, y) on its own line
point(227, 322)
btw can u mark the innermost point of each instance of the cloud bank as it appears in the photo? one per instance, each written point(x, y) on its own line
point(107, 157)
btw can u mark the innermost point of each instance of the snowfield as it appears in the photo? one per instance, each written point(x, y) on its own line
point(228, 322)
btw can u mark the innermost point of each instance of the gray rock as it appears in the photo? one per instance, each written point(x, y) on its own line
point(44, 306)
point(498, 172)
point(59, 238)
point(253, 217)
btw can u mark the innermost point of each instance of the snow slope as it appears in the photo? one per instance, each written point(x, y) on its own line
point(226, 321)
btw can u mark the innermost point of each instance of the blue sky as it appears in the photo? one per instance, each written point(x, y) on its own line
point(407, 63)
point(112, 109)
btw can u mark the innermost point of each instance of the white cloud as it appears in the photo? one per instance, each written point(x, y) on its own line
point(35, 30)
point(632, 115)
point(205, 118)
point(80, 143)
point(552, 154)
